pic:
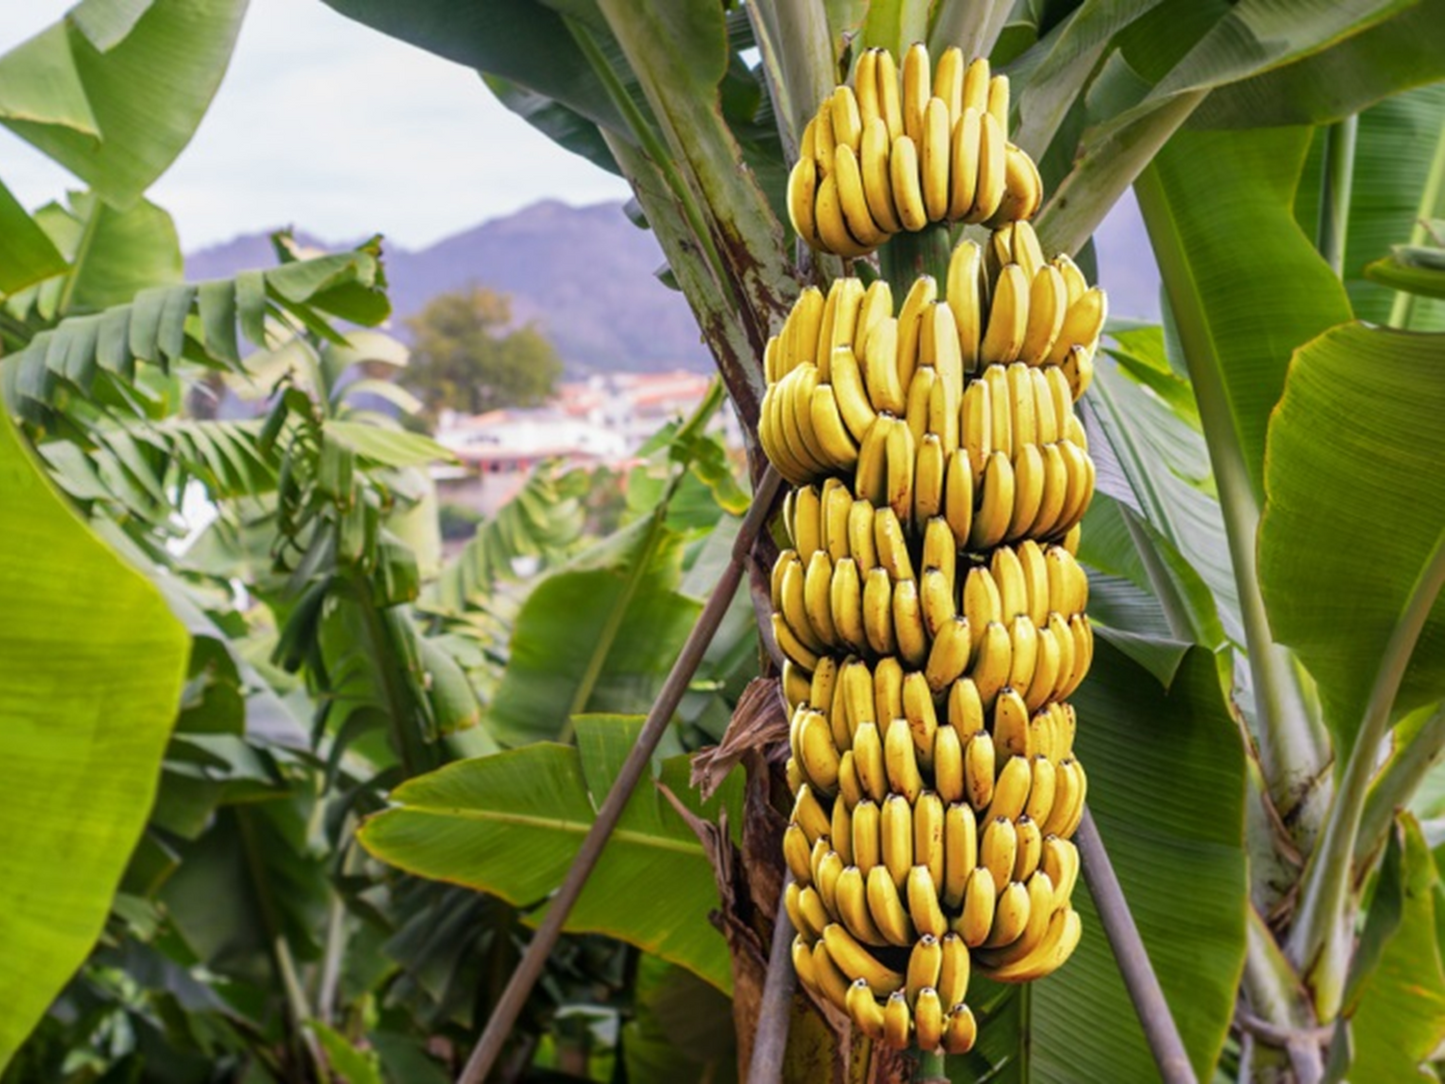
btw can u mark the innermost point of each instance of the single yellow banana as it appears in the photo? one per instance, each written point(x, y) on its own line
point(897, 1022)
point(948, 81)
point(792, 901)
point(993, 516)
point(861, 535)
point(831, 981)
point(902, 460)
point(826, 871)
point(1008, 317)
point(824, 142)
point(832, 227)
point(836, 501)
point(803, 965)
point(1051, 427)
point(878, 612)
point(867, 842)
point(992, 169)
point(791, 647)
point(1060, 861)
point(851, 894)
point(842, 834)
point(817, 755)
point(1064, 638)
point(795, 684)
point(993, 661)
point(965, 290)
point(1000, 400)
point(1046, 670)
point(888, 691)
point(889, 101)
point(903, 775)
point(1049, 517)
point(975, 85)
point(939, 550)
point(948, 657)
point(885, 907)
point(1023, 408)
point(937, 596)
point(922, 717)
point(797, 853)
point(943, 406)
point(921, 295)
point(892, 545)
point(802, 196)
point(868, 754)
point(855, 961)
point(1048, 304)
point(960, 1030)
point(880, 369)
point(854, 200)
point(965, 708)
point(817, 600)
point(795, 611)
point(979, 897)
point(925, 963)
point(851, 394)
point(953, 967)
point(948, 765)
point(975, 427)
point(928, 848)
point(1030, 849)
point(1008, 573)
point(857, 696)
point(793, 773)
point(845, 600)
point(909, 630)
point(865, 1012)
point(809, 815)
point(1024, 640)
point(850, 787)
point(1083, 323)
point(917, 89)
point(896, 833)
point(1041, 734)
point(998, 100)
point(1028, 469)
point(847, 118)
point(870, 479)
point(958, 497)
point(1011, 725)
point(802, 515)
point(934, 156)
point(997, 849)
point(960, 852)
point(907, 184)
point(1010, 789)
point(876, 306)
point(865, 88)
point(963, 180)
point(920, 391)
point(1010, 916)
point(1023, 188)
point(978, 770)
point(1068, 585)
point(923, 905)
point(928, 1021)
point(1083, 650)
point(1036, 579)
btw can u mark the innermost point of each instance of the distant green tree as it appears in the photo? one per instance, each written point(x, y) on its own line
point(467, 356)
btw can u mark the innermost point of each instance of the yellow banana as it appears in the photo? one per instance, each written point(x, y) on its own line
point(1064, 638)
point(1060, 861)
point(826, 871)
point(948, 657)
point(1046, 670)
point(896, 833)
point(1041, 908)
point(889, 102)
point(1010, 789)
point(923, 906)
point(1023, 188)
point(902, 459)
point(877, 305)
point(1078, 369)
point(920, 391)
point(804, 382)
point(791, 646)
point(1008, 318)
point(1056, 947)
point(906, 183)
point(975, 86)
point(1000, 401)
point(960, 847)
point(1083, 649)
point(810, 906)
point(870, 479)
point(999, 251)
point(934, 156)
point(992, 169)
point(927, 843)
point(963, 180)
point(928, 1021)
point(1036, 580)
point(1008, 573)
point(936, 594)
point(998, 93)
point(978, 766)
point(943, 404)
point(897, 1022)
point(865, 88)
point(833, 438)
point(922, 717)
point(1041, 734)
point(855, 961)
point(1061, 394)
point(993, 661)
point(1068, 585)
point(837, 501)
point(917, 89)
point(803, 519)
point(793, 902)
point(898, 757)
point(795, 608)
point(842, 834)
point(851, 894)
point(908, 629)
point(878, 612)
point(795, 684)
point(921, 295)
point(1079, 474)
point(885, 907)
point(976, 919)
point(868, 753)
point(975, 427)
point(1048, 303)
point(1023, 409)
point(948, 81)
point(803, 965)
point(1024, 641)
point(831, 981)
point(880, 369)
point(1011, 726)
point(867, 842)
point(793, 773)
point(809, 815)
point(877, 184)
point(802, 195)
point(847, 118)
point(965, 708)
point(948, 765)
point(1051, 428)
point(797, 853)
point(850, 787)
point(953, 967)
point(888, 691)
point(845, 600)
point(1024, 248)
point(1070, 791)
point(854, 200)
point(939, 551)
point(1083, 323)
point(965, 291)
point(958, 497)
point(1028, 467)
point(925, 963)
point(832, 228)
point(823, 140)
point(938, 343)
point(1030, 849)
point(997, 849)
point(801, 330)
point(992, 517)
point(1048, 519)
point(960, 1030)
point(892, 545)
point(928, 493)
point(861, 535)
point(864, 1011)
point(851, 394)
point(817, 755)
point(1010, 916)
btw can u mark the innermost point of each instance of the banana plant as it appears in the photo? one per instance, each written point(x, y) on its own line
point(1258, 664)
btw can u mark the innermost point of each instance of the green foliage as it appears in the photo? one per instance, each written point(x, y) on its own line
point(468, 357)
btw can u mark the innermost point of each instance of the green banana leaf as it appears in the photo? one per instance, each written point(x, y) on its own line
point(674, 1033)
point(1406, 50)
point(91, 665)
point(27, 254)
point(1166, 787)
point(115, 94)
point(510, 824)
point(599, 634)
point(1355, 492)
point(1399, 1021)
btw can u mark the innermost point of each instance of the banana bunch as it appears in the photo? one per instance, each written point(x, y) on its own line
point(886, 154)
point(929, 604)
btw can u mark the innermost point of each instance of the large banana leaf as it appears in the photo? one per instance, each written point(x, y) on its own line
point(27, 253)
point(510, 824)
point(599, 634)
point(1355, 510)
point(1166, 786)
point(91, 664)
point(116, 93)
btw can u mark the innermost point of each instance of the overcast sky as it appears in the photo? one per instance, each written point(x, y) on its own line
point(339, 130)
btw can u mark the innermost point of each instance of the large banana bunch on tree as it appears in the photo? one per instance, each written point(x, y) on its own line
point(930, 608)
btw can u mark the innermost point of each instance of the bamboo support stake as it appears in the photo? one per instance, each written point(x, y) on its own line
point(529, 970)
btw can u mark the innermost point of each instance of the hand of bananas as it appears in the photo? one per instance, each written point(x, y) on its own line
point(930, 607)
point(887, 155)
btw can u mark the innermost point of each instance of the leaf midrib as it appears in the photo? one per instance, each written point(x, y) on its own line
point(559, 824)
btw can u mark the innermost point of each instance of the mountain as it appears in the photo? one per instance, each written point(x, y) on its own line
point(585, 274)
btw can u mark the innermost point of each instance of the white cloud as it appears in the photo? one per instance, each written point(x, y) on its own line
point(341, 131)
